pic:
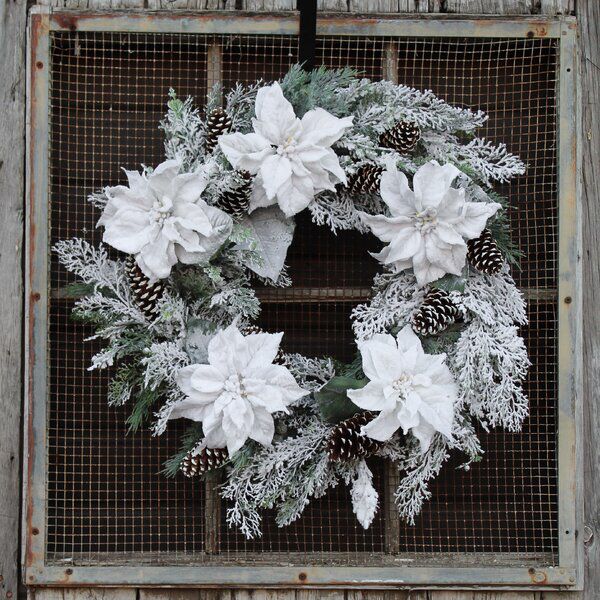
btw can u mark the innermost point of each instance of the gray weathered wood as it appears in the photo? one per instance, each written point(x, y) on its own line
point(84, 594)
point(12, 153)
point(589, 16)
point(11, 192)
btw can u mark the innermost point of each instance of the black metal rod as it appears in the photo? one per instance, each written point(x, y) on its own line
point(308, 33)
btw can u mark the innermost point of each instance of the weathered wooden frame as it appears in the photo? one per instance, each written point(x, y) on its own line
point(568, 575)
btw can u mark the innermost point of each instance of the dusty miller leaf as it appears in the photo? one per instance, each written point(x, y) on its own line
point(272, 234)
point(364, 496)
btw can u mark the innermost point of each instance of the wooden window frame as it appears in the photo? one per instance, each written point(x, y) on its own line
point(568, 573)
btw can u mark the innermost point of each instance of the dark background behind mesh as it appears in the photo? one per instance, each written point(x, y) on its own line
point(107, 501)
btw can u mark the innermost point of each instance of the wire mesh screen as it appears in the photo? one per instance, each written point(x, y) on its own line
point(106, 500)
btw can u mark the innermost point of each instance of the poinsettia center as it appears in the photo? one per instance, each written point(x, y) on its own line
point(161, 210)
point(235, 386)
point(426, 220)
point(288, 146)
point(403, 385)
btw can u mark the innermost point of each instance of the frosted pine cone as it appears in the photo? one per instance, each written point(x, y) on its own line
point(208, 459)
point(403, 137)
point(145, 294)
point(345, 441)
point(235, 202)
point(218, 123)
point(435, 314)
point(483, 253)
point(366, 180)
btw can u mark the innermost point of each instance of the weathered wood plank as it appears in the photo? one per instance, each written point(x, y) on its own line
point(558, 7)
point(12, 155)
point(589, 23)
point(492, 7)
point(84, 594)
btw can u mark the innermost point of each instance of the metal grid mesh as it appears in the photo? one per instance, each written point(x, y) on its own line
point(107, 503)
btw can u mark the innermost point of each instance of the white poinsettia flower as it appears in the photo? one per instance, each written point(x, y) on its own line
point(292, 157)
point(162, 219)
point(429, 224)
point(236, 393)
point(412, 390)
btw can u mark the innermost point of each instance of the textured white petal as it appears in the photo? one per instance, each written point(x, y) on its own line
point(408, 341)
point(474, 218)
point(396, 193)
point(381, 362)
point(431, 181)
point(371, 397)
point(383, 427)
point(263, 428)
point(386, 228)
point(275, 171)
point(188, 187)
point(321, 128)
point(245, 152)
point(275, 118)
point(156, 258)
point(258, 197)
point(296, 195)
point(161, 179)
point(128, 231)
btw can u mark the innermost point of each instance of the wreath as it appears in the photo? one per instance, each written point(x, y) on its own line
point(439, 358)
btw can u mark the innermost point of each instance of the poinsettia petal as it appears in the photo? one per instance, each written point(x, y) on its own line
point(264, 427)
point(193, 216)
point(129, 231)
point(321, 128)
point(331, 163)
point(371, 397)
point(451, 258)
point(474, 218)
point(260, 349)
point(405, 245)
point(188, 187)
point(296, 195)
point(258, 197)
point(425, 271)
point(381, 362)
point(275, 171)
point(383, 427)
point(158, 257)
point(424, 433)
point(386, 228)
point(207, 379)
point(161, 179)
point(275, 117)
point(396, 193)
point(245, 152)
point(431, 181)
point(222, 348)
point(408, 341)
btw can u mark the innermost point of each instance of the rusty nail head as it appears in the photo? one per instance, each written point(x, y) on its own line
point(9, 594)
point(302, 577)
point(35, 531)
point(39, 64)
point(568, 300)
point(68, 571)
point(531, 571)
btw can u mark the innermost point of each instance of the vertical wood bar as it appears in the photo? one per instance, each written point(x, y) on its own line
point(212, 512)
point(214, 67)
point(390, 474)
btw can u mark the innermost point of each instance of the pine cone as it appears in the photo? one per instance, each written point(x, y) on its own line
point(251, 329)
point(145, 294)
point(365, 180)
point(207, 459)
point(403, 137)
point(235, 202)
point(435, 314)
point(345, 441)
point(218, 122)
point(483, 253)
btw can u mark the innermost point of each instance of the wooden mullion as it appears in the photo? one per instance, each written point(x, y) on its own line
point(212, 499)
